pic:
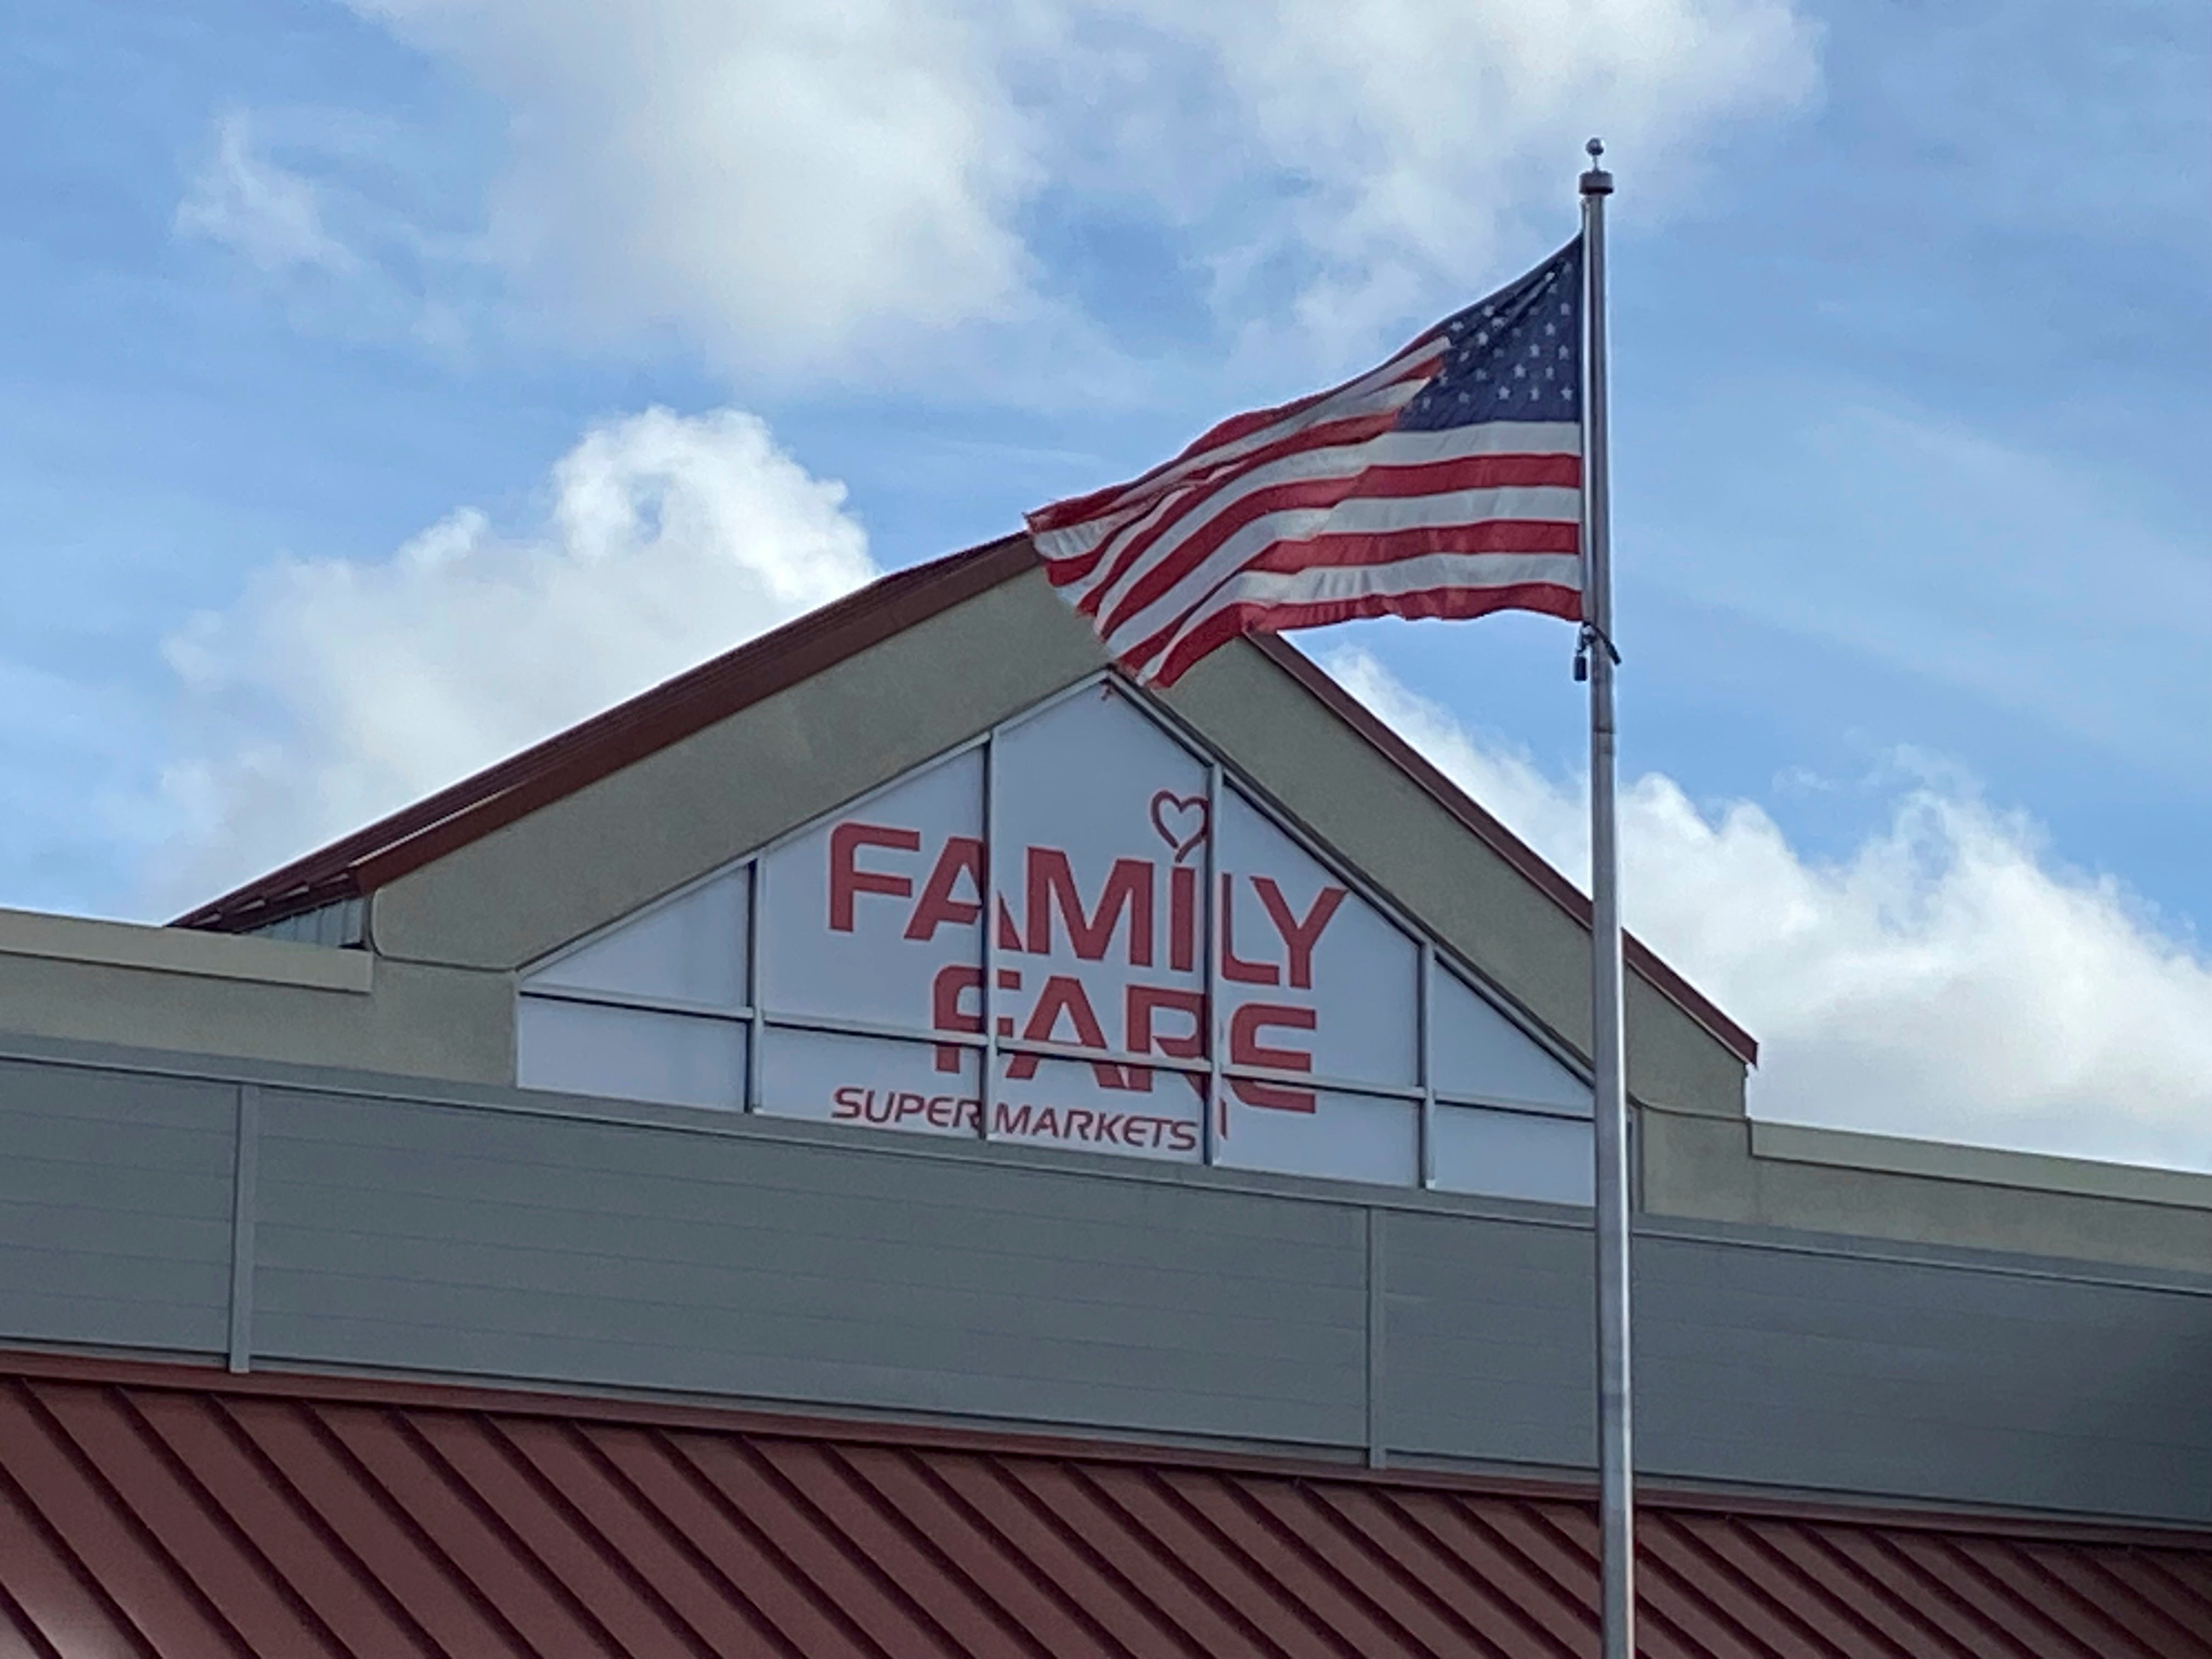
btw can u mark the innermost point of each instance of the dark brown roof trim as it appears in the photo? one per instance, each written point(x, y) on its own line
point(392, 847)
point(668, 712)
point(406, 1394)
point(1508, 846)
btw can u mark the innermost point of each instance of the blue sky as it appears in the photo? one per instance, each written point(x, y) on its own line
point(1910, 321)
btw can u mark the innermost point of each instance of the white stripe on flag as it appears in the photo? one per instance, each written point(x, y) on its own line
point(1359, 516)
point(1377, 394)
point(1420, 574)
point(1391, 449)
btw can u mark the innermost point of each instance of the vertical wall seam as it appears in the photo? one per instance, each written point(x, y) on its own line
point(1426, 1054)
point(986, 1085)
point(1377, 1448)
point(1217, 1104)
point(244, 1167)
point(756, 1020)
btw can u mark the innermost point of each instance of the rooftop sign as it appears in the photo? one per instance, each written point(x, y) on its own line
point(1161, 969)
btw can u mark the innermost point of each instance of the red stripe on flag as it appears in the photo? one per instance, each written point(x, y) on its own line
point(1237, 427)
point(1366, 551)
point(1371, 483)
point(1423, 603)
point(1363, 500)
point(1348, 552)
point(1203, 487)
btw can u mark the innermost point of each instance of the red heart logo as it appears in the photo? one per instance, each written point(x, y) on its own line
point(1180, 820)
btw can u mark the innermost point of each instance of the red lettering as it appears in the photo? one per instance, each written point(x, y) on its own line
point(1074, 1133)
point(962, 856)
point(1300, 937)
point(910, 1106)
point(1047, 1124)
point(846, 1102)
point(1245, 1048)
point(1146, 1000)
point(945, 1013)
point(1182, 918)
point(1182, 1137)
point(1232, 966)
point(1064, 994)
point(1128, 889)
point(847, 878)
point(1005, 1121)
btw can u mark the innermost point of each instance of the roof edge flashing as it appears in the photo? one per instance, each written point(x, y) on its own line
point(1980, 1166)
point(152, 949)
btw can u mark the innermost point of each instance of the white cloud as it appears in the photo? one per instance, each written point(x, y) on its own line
point(1413, 131)
point(798, 183)
point(332, 691)
point(304, 197)
point(1948, 980)
point(268, 214)
point(791, 181)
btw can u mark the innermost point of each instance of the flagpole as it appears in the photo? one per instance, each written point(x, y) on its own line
point(1616, 1428)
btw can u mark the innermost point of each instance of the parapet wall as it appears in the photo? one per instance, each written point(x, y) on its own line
point(1924, 1192)
point(290, 1219)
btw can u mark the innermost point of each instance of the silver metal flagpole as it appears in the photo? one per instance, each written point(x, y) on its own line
point(1616, 1437)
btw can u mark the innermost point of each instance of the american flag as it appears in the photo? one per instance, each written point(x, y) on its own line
point(1447, 483)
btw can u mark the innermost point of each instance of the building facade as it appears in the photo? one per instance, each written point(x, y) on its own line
point(898, 1141)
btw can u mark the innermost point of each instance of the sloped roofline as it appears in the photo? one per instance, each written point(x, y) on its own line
point(356, 865)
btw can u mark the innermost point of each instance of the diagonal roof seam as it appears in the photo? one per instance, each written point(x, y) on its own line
point(108, 1553)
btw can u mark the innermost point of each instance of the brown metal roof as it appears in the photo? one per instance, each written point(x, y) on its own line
point(174, 1514)
point(360, 863)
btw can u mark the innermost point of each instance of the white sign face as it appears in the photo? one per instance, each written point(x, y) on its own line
point(1141, 980)
point(919, 1087)
point(860, 916)
point(691, 951)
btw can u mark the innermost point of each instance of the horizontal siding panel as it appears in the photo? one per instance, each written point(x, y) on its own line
point(115, 1206)
point(539, 1247)
point(741, 1261)
point(1120, 1394)
point(490, 1160)
point(749, 1301)
point(323, 1226)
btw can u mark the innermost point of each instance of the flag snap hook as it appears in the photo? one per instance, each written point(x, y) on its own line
point(1588, 634)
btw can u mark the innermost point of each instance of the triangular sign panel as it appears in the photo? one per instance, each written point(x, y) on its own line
point(1079, 931)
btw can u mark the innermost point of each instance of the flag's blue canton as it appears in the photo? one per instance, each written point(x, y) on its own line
point(1515, 357)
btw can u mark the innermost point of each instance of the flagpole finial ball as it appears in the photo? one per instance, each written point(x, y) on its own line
point(1596, 181)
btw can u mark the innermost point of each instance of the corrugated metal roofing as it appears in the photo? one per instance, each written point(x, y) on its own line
point(162, 1517)
point(359, 863)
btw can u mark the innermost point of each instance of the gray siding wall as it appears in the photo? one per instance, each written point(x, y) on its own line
point(495, 1235)
point(562, 1250)
point(115, 1207)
